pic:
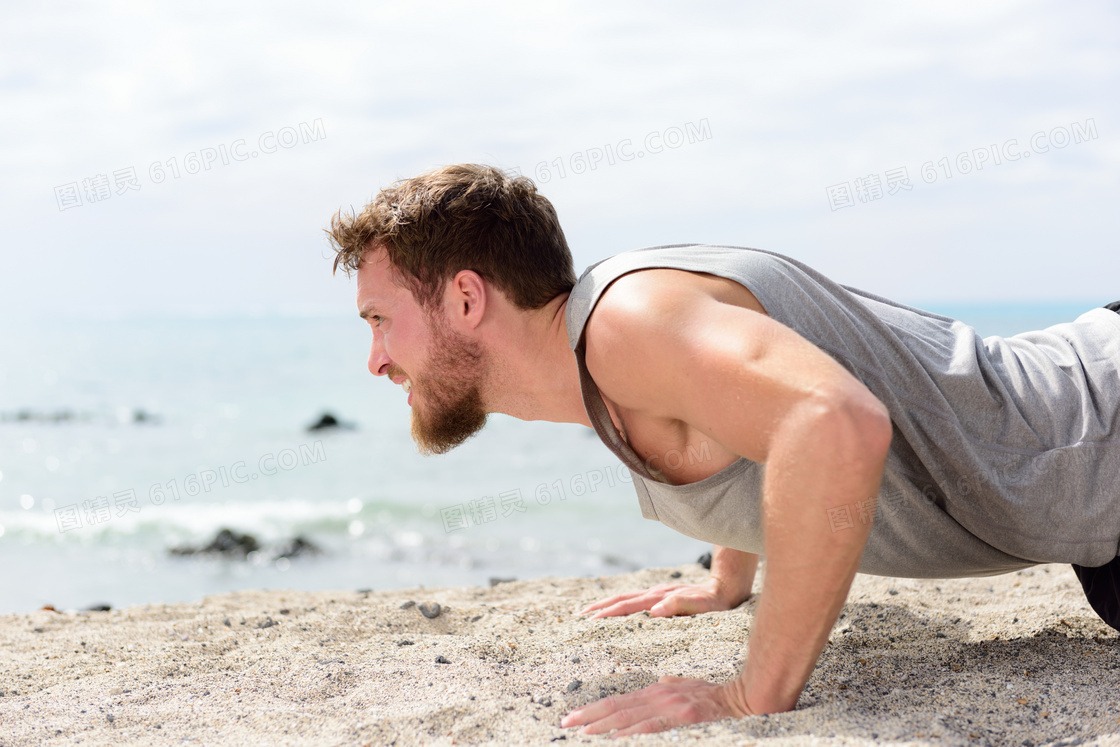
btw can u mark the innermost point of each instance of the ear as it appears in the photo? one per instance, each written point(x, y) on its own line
point(466, 299)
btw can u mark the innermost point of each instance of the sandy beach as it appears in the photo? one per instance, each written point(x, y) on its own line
point(1017, 659)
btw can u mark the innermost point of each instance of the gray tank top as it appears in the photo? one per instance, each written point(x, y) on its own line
point(1006, 451)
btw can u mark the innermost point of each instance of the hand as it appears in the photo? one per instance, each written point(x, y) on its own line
point(666, 600)
point(673, 701)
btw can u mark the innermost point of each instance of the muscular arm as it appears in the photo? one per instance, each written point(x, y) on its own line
point(753, 385)
point(822, 462)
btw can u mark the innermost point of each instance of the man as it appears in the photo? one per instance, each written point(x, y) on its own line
point(752, 399)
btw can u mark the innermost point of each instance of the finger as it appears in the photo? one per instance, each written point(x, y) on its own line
point(604, 708)
point(677, 605)
point(656, 592)
point(623, 607)
point(650, 725)
point(627, 607)
point(668, 607)
point(589, 713)
point(692, 603)
point(609, 601)
point(622, 719)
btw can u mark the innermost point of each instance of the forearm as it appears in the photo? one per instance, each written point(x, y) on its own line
point(825, 463)
point(733, 574)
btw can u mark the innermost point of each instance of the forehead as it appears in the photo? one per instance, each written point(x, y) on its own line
point(375, 275)
point(379, 284)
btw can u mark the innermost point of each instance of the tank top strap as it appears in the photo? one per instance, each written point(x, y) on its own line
point(600, 419)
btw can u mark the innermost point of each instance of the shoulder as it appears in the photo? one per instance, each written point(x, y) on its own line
point(649, 328)
point(638, 302)
point(644, 301)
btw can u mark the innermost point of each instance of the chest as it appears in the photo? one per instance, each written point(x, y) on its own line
point(671, 448)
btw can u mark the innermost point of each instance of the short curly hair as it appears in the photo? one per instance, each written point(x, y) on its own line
point(462, 217)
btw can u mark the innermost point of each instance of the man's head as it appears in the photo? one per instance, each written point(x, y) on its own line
point(421, 249)
point(464, 217)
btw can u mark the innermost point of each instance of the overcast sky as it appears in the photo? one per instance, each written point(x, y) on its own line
point(780, 126)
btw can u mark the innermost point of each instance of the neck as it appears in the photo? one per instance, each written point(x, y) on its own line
point(533, 373)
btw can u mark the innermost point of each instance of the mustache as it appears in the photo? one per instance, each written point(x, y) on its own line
point(395, 371)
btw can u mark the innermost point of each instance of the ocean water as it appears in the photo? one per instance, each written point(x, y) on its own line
point(122, 439)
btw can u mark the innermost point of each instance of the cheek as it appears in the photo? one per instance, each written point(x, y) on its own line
point(407, 341)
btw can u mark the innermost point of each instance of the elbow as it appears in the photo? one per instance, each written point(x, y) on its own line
point(873, 421)
point(857, 423)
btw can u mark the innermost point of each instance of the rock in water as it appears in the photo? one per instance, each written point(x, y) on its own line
point(296, 547)
point(226, 543)
point(328, 421)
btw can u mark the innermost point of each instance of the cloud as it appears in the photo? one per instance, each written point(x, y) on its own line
point(796, 98)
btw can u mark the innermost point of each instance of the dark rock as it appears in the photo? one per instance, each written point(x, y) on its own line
point(296, 547)
point(268, 623)
point(227, 622)
point(442, 660)
point(619, 562)
point(328, 421)
point(98, 608)
point(476, 618)
point(574, 685)
point(405, 642)
point(56, 417)
point(705, 560)
point(675, 574)
point(408, 605)
point(226, 543)
point(285, 612)
point(575, 659)
point(140, 416)
point(430, 611)
point(495, 580)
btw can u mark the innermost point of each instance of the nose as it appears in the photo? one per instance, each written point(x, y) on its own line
point(379, 360)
